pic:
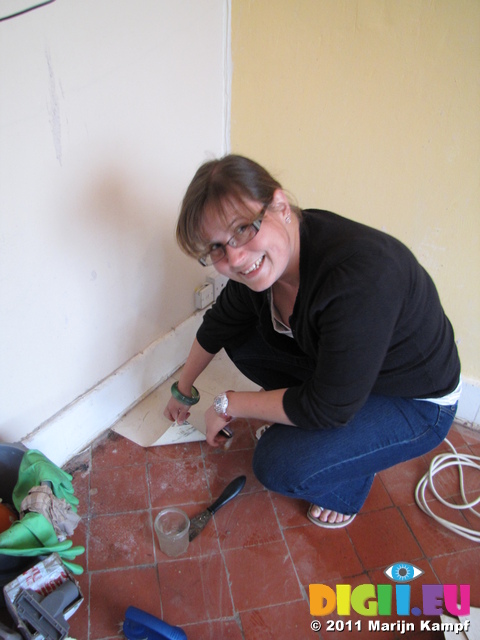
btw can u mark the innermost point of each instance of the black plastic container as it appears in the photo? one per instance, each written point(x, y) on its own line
point(10, 458)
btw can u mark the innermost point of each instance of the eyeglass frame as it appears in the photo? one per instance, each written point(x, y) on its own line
point(255, 224)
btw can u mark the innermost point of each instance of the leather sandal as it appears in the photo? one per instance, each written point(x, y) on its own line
point(259, 432)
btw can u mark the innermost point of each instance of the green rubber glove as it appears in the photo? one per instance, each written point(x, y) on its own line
point(31, 532)
point(34, 535)
point(34, 469)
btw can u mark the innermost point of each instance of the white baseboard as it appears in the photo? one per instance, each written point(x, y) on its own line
point(469, 405)
point(74, 427)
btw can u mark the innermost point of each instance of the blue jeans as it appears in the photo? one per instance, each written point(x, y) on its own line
point(334, 468)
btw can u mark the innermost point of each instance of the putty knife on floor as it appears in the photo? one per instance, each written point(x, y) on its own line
point(198, 523)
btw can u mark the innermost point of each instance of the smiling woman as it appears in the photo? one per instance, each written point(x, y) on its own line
point(223, 188)
point(336, 321)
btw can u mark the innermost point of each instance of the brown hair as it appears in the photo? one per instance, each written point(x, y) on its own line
point(220, 186)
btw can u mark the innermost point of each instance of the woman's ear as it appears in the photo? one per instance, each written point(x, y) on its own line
point(280, 202)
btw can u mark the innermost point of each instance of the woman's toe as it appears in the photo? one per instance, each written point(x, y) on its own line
point(315, 511)
point(326, 515)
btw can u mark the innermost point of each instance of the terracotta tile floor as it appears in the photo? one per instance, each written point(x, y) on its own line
point(247, 575)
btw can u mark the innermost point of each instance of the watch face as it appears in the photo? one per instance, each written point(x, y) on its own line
point(220, 403)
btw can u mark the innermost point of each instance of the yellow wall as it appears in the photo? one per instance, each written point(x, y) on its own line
point(371, 108)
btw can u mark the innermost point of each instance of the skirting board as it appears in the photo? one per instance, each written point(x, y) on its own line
point(73, 428)
point(77, 425)
point(469, 405)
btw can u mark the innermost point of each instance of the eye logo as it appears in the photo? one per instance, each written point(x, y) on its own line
point(403, 572)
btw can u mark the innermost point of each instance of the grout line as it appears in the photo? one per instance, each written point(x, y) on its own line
point(302, 588)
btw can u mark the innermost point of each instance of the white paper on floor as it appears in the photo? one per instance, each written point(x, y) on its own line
point(178, 433)
point(146, 425)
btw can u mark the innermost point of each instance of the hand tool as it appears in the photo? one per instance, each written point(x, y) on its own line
point(198, 523)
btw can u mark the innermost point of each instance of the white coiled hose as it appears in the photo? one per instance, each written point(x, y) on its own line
point(439, 463)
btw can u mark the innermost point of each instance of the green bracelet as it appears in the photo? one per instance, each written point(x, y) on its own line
point(178, 395)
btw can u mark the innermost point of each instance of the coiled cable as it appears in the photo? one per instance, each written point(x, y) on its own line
point(439, 463)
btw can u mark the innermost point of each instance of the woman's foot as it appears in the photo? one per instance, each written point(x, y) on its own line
point(328, 518)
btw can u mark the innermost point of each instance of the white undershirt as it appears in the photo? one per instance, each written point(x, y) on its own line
point(278, 324)
point(449, 399)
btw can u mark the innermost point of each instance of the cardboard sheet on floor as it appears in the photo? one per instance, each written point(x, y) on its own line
point(146, 425)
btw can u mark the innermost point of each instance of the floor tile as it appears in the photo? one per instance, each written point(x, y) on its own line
point(216, 630)
point(460, 568)
point(112, 592)
point(470, 436)
point(194, 590)
point(290, 512)
point(434, 539)
point(248, 520)
point(401, 480)
point(262, 576)
point(475, 449)
point(320, 555)
point(378, 498)
point(223, 466)
point(120, 540)
point(116, 451)
point(167, 490)
point(382, 537)
point(118, 489)
point(291, 620)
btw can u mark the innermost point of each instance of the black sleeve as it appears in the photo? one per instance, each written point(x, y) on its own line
point(231, 319)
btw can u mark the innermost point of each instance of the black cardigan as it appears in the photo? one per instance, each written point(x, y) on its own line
point(366, 310)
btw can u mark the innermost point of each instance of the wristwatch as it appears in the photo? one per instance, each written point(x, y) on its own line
point(220, 404)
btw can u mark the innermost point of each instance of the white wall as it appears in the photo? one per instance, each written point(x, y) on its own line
point(106, 110)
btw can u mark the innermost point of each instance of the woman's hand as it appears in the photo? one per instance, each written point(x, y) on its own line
point(176, 411)
point(215, 424)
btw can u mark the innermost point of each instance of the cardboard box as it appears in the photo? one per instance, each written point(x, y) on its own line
point(43, 578)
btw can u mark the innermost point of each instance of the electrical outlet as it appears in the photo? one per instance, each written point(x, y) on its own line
point(218, 283)
point(203, 296)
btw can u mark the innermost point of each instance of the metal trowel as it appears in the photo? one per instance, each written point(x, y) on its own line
point(198, 523)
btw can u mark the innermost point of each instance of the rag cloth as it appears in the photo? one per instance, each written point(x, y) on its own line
point(34, 534)
point(35, 469)
point(41, 500)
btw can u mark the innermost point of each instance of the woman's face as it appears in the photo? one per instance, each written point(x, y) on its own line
point(266, 258)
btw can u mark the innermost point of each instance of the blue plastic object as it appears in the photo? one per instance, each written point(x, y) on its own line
point(140, 625)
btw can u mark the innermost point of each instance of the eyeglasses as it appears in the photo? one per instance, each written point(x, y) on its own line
point(242, 236)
